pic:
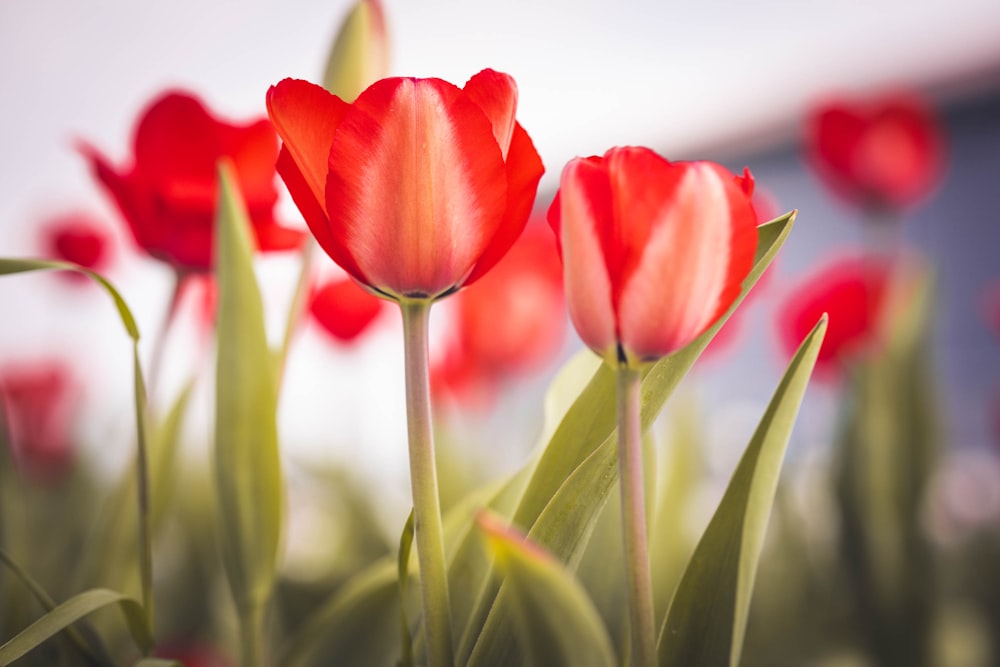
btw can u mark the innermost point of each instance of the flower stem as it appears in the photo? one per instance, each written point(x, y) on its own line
point(251, 632)
point(640, 592)
point(428, 535)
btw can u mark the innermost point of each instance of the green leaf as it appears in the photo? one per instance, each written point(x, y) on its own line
point(23, 265)
point(346, 625)
point(71, 611)
point(588, 426)
point(555, 620)
point(360, 53)
point(93, 652)
point(403, 571)
point(707, 619)
point(247, 464)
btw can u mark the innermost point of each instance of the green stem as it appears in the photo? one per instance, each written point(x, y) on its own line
point(429, 535)
point(145, 533)
point(640, 590)
point(160, 342)
point(251, 632)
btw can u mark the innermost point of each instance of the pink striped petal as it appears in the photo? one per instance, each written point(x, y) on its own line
point(417, 187)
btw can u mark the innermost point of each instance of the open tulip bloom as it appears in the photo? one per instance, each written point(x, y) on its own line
point(416, 189)
point(654, 253)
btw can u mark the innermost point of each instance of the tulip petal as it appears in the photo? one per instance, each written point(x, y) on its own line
point(253, 149)
point(585, 204)
point(496, 94)
point(524, 170)
point(177, 141)
point(306, 117)
point(417, 187)
point(700, 245)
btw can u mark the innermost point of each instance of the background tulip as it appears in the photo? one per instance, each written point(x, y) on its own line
point(76, 238)
point(343, 310)
point(654, 252)
point(168, 194)
point(415, 189)
point(882, 153)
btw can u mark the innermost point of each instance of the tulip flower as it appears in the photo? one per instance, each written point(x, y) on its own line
point(508, 323)
point(883, 154)
point(76, 238)
point(37, 408)
point(416, 189)
point(167, 195)
point(343, 309)
point(852, 290)
point(654, 253)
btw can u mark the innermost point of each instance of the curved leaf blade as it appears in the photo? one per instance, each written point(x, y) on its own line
point(707, 619)
point(555, 620)
point(71, 611)
point(247, 464)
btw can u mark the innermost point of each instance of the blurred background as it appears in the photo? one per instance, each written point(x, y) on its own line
point(733, 82)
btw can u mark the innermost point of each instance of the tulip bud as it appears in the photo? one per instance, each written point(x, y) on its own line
point(360, 53)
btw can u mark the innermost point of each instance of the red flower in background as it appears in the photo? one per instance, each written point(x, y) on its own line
point(880, 153)
point(418, 187)
point(168, 194)
point(37, 403)
point(79, 239)
point(196, 655)
point(510, 322)
point(852, 291)
point(343, 309)
point(654, 252)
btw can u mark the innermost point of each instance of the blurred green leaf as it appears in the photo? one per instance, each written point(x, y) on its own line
point(19, 265)
point(360, 52)
point(94, 651)
point(72, 610)
point(555, 620)
point(403, 571)
point(706, 622)
point(589, 426)
point(247, 463)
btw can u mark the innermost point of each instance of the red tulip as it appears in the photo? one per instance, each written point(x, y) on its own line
point(653, 252)
point(882, 153)
point(343, 309)
point(510, 322)
point(168, 195)
point(76, 238)
point(418, 187)
point(37, 402)
point(852, 291)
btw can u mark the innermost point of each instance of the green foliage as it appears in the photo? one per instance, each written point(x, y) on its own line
point(707, 618)
point(247, 463)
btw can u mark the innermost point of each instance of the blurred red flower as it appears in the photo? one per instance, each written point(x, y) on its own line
point(991, 307)
point(654, 252)
point(38, 403)
point(343, 309)
point(852, 290)
point(883, 153)
point(511, 322)
point(196, 655)
point(77, 238)
point(417, 188)
point(168, 194)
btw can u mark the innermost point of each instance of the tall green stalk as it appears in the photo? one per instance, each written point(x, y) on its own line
point(428, 533)
point(640, 591)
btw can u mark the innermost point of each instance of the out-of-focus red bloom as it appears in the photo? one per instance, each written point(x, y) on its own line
point(343, 309)
point(881, 153)
point(853, 291)
point(168, 194)
point(510, 322)
point(38, 402)
point(77, 238)
point(418, 187)
point(653, 252)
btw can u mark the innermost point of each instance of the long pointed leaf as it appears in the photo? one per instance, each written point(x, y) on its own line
point(707, 618)
point(247, 465)
point(71, 611)
point(556, 621)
